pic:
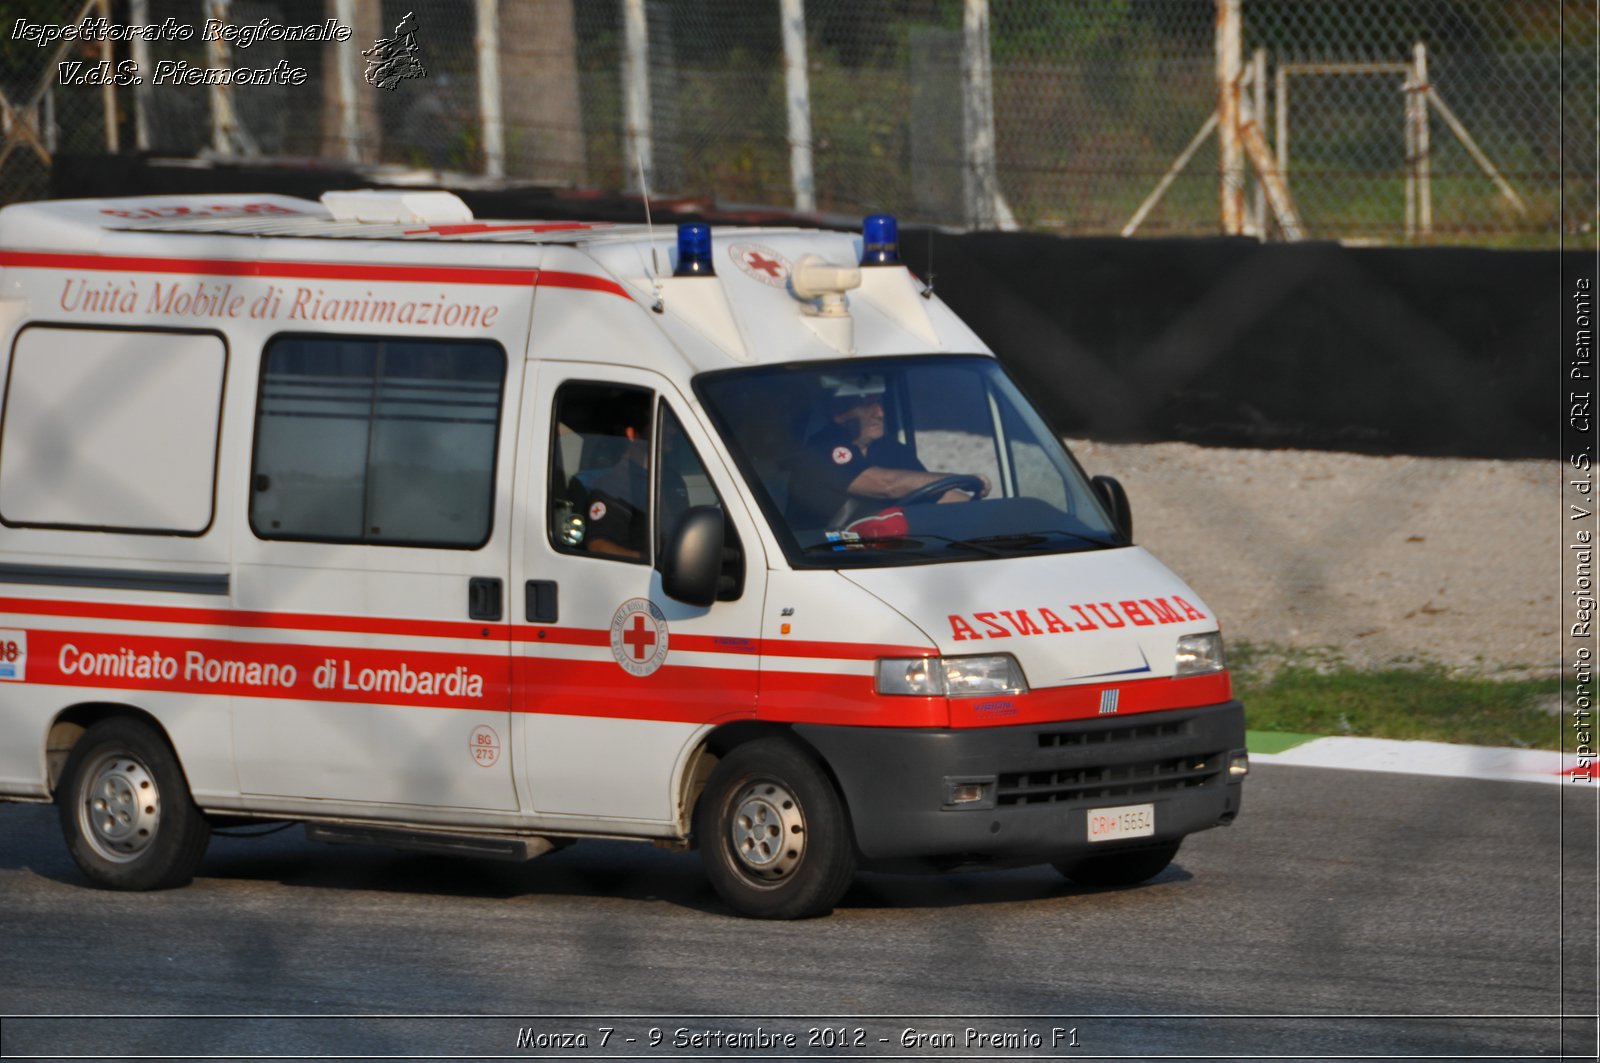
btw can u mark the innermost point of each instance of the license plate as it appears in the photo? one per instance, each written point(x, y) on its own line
point(1126, 821)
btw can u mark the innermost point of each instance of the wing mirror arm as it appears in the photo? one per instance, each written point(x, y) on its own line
point(1116, 503)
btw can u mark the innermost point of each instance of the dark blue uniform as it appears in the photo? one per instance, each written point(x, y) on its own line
point(822, 470)
point(618, 505)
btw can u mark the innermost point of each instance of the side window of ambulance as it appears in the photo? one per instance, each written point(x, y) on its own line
point(112, 430)
point(382, 441)
point(600, 471)
point(685, 483)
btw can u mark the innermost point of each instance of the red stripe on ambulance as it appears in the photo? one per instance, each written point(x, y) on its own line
point(246, 618)
point(679, 692)
point(330, 271)
point(1082, 702)
point(672, 694)
point(449, 629)
point(812, 697)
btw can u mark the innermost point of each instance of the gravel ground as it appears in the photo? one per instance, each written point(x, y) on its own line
point(1372, 560)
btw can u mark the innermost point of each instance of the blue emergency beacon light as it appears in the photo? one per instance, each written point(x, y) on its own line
point(694, 251)
point(880, 240)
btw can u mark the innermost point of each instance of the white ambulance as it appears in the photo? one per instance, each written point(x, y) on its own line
point(485, 536)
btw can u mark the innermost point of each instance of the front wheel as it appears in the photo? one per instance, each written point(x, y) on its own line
point(1126, 868)
point(125, 808)
point(773, 833)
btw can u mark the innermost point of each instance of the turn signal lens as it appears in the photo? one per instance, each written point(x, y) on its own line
point(966, 793)
point(922, 676)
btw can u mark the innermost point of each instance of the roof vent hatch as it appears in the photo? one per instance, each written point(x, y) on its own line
point(373, 205)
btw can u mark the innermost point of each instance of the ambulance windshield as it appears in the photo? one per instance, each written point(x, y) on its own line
point(903, 461)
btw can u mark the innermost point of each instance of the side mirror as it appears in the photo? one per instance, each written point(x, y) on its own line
point(1116, 502)
point(691, 564)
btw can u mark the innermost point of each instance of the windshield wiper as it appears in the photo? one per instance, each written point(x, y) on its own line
point(980, 545)
point(1007, 545)
point(997, 544)
point(899, 542)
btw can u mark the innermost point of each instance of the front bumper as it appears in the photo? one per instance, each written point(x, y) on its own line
point(1040, 782)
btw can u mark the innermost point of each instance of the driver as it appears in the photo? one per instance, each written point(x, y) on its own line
point(619, 519)
point(851, 458)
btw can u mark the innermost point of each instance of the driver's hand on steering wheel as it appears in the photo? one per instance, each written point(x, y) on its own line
point(956, 494)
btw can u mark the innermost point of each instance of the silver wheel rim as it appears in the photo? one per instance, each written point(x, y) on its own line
point(119, 810)
point(767, 831)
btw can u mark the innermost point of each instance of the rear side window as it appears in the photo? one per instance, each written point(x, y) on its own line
point(371, 440)
point(112, 429)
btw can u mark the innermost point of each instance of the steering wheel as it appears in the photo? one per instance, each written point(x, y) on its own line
point(930, 491)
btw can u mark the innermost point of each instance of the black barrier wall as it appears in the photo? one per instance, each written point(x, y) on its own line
point(1439, 351)
point(1444, 351)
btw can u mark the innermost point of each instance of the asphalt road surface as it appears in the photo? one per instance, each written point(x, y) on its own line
point(1343, 914)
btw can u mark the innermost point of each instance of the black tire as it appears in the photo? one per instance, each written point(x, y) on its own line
point(126, 811)
point(769, 790)
point(1126, 868)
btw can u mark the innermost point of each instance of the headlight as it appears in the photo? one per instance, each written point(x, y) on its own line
point(1200, 654)
point(954, 676)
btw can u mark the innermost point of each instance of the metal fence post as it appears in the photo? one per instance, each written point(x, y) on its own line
point(52, 129)
point(228, 137)
point(1424, 163)
point(1280, 118)
point(637, 144)
point(139, 15)
point(487, 42)
point(978, 97)
point(1231, 156)
point(108, 91)
point(223, 121)
point(1413, 95)
point(798, 90)
point(1258, 92)
point(348, 58)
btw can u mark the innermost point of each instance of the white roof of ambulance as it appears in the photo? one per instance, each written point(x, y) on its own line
point(746, 315)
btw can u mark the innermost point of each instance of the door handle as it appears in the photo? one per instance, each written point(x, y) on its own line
point(483, 598)
point(541, 604)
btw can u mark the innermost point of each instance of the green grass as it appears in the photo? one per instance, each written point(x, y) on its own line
point(1307, 693)
point(1275, 741)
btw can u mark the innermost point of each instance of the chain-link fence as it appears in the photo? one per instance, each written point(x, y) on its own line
point(1393, 120)
point(1508, 87)
point(40, 117)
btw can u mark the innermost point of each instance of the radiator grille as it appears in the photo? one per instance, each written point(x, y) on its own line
point(1133, 733)
point(1138, 779)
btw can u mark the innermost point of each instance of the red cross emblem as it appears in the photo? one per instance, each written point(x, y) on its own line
point(761, 263)
point(639, 636)
point(756, 260)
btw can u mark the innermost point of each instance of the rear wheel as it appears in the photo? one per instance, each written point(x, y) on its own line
point(1126, 868)
point(773, 833)
point(125, 809)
